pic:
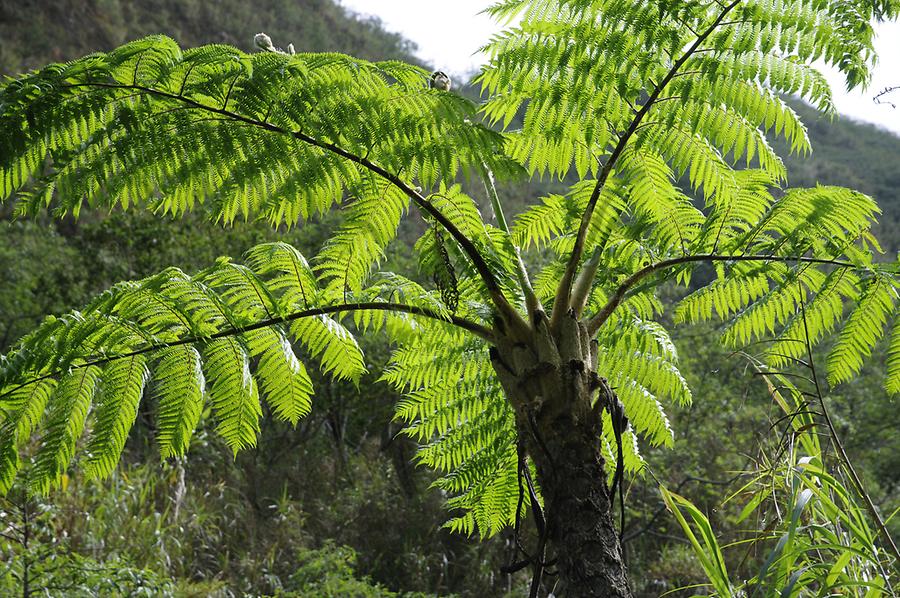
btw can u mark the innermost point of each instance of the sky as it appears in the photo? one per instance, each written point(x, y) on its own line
point(449, 33)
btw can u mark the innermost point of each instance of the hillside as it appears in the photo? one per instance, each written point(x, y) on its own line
point(34, 32)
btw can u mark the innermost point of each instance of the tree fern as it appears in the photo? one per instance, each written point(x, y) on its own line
point(662, 113)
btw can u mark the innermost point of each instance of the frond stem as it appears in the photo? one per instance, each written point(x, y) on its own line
point(531, 302)
point(506, 310)
point(473, 327)
point(561, 302)
point(601, 316)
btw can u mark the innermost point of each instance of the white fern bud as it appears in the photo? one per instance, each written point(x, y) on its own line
point(263, 42)
point(440, 80)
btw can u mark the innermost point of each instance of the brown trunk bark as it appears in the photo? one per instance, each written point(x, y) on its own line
point(551, 382)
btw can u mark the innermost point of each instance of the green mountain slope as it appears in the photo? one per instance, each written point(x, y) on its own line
point(34, 32)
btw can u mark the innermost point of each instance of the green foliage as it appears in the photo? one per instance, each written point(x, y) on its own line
point(35, 265)
point(197, 339)
point(632, 97)
point(455, 408)
point(822, 539)
point(329, 572)
point(854, 155)
point(38, 557)
point(197, 126)
point(705, 546)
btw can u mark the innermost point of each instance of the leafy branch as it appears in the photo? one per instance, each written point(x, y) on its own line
point(562, 302)
point(621, 291)
point(476, 329)
point(506, 310)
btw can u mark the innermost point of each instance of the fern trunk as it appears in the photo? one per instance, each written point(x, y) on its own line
point(551, 383)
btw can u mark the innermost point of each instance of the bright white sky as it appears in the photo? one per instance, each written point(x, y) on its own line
point(449, 33)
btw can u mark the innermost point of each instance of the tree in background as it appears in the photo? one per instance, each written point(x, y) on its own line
point(519, 384)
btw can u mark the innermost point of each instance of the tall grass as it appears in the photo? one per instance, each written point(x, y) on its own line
point(817, 532)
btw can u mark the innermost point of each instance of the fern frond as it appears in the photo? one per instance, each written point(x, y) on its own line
point(282, 377)
point(358, 245)
point(863, 328)
point(23, 410)
point(180, 387)
point(892, 379)
point(121, 388)
point(225, 333)
point(240, 136)
point(67, 412)
point(233, 392)
point(334, 346)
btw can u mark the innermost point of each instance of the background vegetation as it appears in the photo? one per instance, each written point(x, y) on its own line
point(335, 508)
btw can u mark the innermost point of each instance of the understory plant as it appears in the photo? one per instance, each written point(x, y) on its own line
point(816, 530)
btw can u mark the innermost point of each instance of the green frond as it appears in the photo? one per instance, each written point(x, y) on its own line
point(825, 219)
point(782, 74)
point(119, 394)
point(552, 221)
point(692, 154)
point(233, 392)
point(632, 460)
point(179, 386)
point(863, 328)
point(726, 295)
point(664, 214)
point(454, 408)
point(542, 222)
point(764, 316)
point(242, 136)
point(67, 412)
point(892, 379)
point(288, 274)
point(461, 210)
point(819, 316)
point(639, 360)
point(442, 259)
point(358, 245)
point(23, 409)
point(226, 334)
point(578, 71)
point(281, 376)
point(820, 241)
point(332, 344)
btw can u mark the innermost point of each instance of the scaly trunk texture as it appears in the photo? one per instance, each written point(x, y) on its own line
point(550, 381)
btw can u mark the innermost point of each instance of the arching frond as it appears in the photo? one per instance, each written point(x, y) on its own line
point(121, 388)
point(223, 337)
point(581, 70)
point(370, 224)
point(263, 135)
point(640, 363)
point(864, 327)
point(454, 407)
